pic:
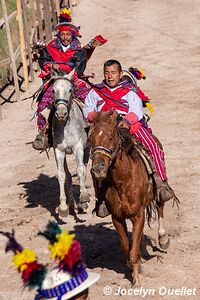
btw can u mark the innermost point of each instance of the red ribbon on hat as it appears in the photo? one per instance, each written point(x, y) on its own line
point(65, 28)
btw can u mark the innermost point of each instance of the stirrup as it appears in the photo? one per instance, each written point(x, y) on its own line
point(101, 209)
point(40, 142)
point(166, 193)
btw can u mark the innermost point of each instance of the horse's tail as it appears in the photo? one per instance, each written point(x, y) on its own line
point(150, 212)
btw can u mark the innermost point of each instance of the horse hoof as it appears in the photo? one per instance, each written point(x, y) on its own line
point(164, 242)
point(83, 205)
point(128, 263)
point(84, 198)
point(136, 283)
point(63, 213)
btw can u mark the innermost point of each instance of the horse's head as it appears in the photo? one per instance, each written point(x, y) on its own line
point(63, 90)
point(105, 142)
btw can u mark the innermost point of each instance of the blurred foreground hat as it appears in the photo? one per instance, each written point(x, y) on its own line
point(67, 279)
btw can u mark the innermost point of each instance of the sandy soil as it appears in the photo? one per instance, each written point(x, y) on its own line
point(163, 38)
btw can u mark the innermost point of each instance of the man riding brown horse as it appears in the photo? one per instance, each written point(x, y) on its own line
point(117, 94)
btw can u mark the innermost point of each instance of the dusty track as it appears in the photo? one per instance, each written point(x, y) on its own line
point(163, 38)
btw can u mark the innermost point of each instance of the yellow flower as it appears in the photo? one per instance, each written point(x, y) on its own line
point(60, 248)
point(65, 11)
point(22, 258)
point(142, 73)
point(150, 107)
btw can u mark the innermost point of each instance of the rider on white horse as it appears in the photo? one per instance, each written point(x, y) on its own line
point(64, 53)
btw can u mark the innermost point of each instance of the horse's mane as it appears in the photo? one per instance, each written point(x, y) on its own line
point(126, 141)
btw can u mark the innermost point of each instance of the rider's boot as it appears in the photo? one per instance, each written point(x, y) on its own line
point(100, 206)
point(41, 140)
point(101, 209)
point(164, 191)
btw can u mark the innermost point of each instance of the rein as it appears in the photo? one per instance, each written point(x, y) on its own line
point(111, 154)
point(64, 101)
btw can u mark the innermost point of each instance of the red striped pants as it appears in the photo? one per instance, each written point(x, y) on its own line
point(144, 136)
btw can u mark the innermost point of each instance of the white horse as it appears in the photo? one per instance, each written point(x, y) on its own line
point(69, 137)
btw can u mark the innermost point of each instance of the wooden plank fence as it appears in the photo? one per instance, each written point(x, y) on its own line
point(43, 16)
point(36, 20)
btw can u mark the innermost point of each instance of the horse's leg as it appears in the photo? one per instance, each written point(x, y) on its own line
point(137, 232)
point(63, 209)
point(81, 171)
point(71, 199)
point(121, 228)
point(163, 237)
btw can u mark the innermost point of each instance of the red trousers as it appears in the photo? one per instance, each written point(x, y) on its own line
point(144, 136)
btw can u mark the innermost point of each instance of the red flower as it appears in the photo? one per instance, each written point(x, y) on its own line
point(30, 268)
point(72, 257)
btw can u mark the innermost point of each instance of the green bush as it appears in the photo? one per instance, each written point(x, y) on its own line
point(4, 51)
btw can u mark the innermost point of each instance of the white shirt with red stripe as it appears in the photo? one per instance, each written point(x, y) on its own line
point(94, 102)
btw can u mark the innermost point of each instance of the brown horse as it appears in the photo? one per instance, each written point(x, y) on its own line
point(125, 185)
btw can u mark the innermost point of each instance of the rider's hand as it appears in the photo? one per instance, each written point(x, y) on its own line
point(55, 67)
point(123, 124)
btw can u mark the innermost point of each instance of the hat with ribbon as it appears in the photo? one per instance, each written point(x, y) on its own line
point(65, 23)
point(68, 279)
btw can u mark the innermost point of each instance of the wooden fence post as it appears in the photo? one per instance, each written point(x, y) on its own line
point(33, 17)
point(53, 13)
point(47, 20)
point(27, 37)
point(22, 42)
point(39, 20)
point(58, 9)
point(11, 51)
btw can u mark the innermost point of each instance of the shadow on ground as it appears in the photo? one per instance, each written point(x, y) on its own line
point(100, 243)
point(44, 191)
point(101, 248)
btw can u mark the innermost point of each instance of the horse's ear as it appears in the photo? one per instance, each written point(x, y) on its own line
point(54, 73)
point(112, 116)
point(96, 117)
point(70, 75)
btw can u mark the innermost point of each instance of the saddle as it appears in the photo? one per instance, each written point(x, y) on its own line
point(162, 191)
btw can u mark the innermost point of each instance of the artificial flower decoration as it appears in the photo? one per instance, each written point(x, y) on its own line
point(63, 247)
point(65, 10)
point(65, 15)
point(150, 108)
point(21, 259)
point(137, 73)
point(25, 261)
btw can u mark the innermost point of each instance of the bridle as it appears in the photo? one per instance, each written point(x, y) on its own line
point(103, 150)
point(111, 154)
point(66, 102)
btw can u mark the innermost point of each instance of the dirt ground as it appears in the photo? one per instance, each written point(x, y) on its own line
point(162, 37)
